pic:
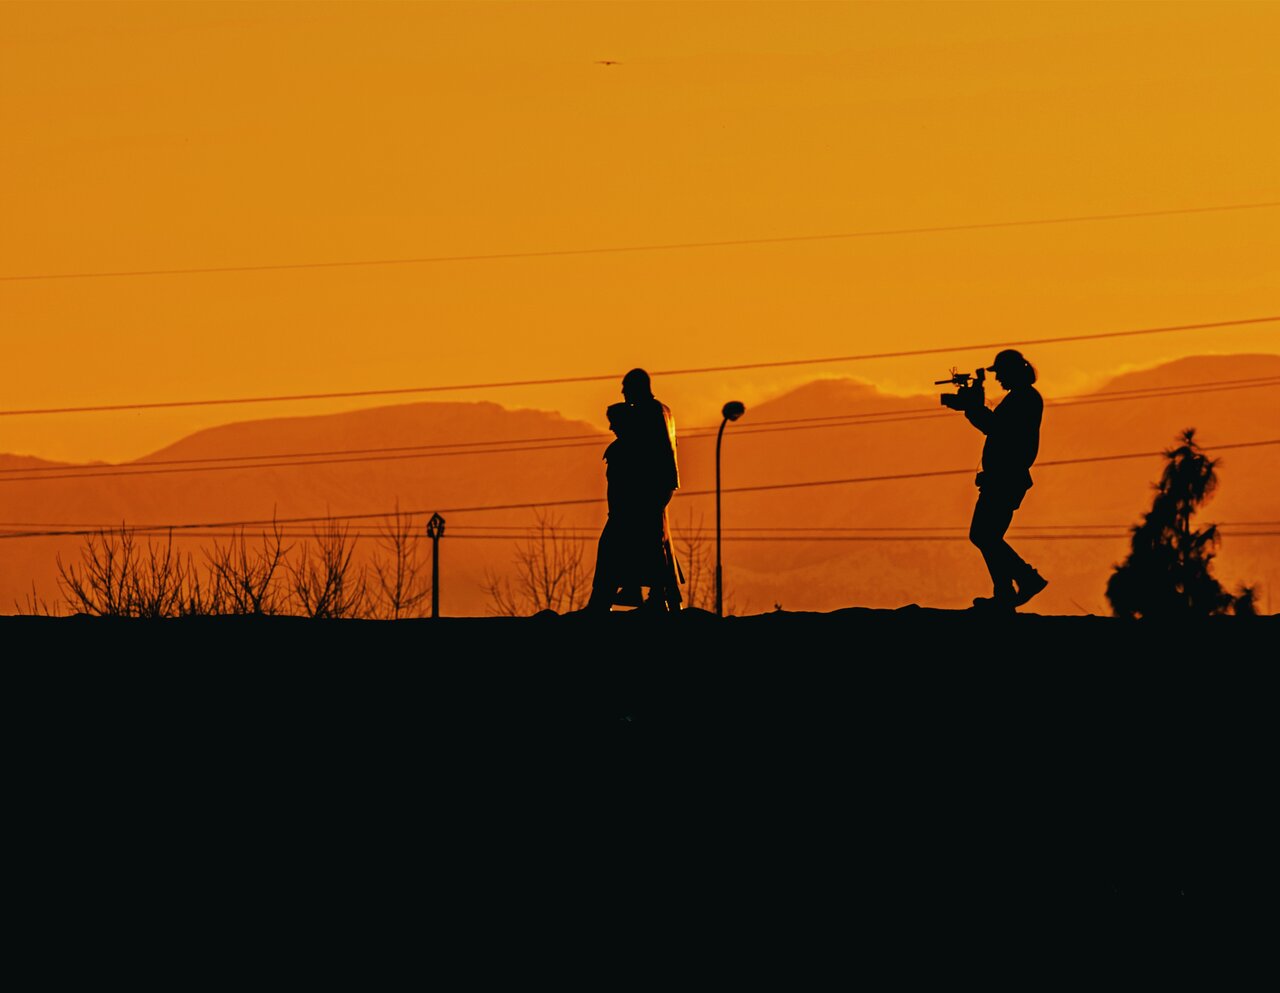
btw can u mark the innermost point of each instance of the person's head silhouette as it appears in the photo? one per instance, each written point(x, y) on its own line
point(618, 417)
point(636, 386)
point(1012, 369)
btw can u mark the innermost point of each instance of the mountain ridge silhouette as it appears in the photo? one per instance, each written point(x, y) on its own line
point(826, 575)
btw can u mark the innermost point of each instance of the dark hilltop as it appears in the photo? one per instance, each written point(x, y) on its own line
point(1055, 757)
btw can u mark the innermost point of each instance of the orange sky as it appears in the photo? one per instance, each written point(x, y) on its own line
point(171, 135)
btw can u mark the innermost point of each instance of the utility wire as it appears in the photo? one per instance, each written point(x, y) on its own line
point(524, 536)
point(285, 465)
point(601, 377)
point(484, 508)
point(524, 527)
point(406, 452)
point(663, 247)
point(516, 526)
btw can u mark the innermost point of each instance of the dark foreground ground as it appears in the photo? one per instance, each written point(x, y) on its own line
point(884, 759)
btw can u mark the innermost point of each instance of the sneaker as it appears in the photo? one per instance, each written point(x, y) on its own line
point(1029, 587)
point(1001, 598)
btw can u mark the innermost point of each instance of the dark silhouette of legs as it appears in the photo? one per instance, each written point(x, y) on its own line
point(608, 572)
point(992, 515)
point(632, 555)
point(666, 575)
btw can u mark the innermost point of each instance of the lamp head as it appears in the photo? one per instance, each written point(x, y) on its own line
point(733, 410)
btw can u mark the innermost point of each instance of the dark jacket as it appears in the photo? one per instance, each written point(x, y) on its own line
point(1013, 436)
point(655, 435)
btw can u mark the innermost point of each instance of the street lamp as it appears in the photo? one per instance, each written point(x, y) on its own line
point(435, 531)
point(731, 411)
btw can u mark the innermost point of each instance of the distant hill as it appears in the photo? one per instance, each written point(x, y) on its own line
point(834, 429)
point(949, 573)
point(19, 462)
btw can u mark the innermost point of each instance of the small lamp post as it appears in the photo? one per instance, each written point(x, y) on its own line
point(435, 530)
point(731, 411)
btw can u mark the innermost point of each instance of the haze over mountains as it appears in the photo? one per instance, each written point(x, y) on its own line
point(1072, 525)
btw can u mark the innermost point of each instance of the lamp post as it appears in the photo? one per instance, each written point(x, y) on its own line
point(435, 531)
point(731, 411)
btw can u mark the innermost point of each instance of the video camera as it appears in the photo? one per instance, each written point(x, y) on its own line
point(969, 394)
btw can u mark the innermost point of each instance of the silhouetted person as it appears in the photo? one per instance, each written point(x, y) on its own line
point(1013, 440)
point(619, 571)
point(635, 547)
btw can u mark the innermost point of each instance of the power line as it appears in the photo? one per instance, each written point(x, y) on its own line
point(932, 413)
point(972, 347)
point(582, 501)
point(514, 526)
point(594, 438)
point(524, 527)
point(281, 465)
point(668, 246)
point(522, 531)
point(523, 536)
point(454, 449)
point(601, 377)
point(881, 538)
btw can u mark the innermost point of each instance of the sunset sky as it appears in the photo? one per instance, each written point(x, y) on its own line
point(155, 136)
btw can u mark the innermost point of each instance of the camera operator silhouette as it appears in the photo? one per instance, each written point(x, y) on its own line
point(1013, 440)
point(635, 546)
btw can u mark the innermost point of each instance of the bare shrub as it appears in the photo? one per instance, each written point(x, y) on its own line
point(161, 582)
point(696, 550)
point(101, 584)
point(323, 580)
point(699, 565)
point(551, 573)
point(245, 579)
point(34, 605)
point(401, 581)
point(117, 578)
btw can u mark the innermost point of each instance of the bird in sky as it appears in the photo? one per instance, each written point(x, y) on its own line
point(606, 62)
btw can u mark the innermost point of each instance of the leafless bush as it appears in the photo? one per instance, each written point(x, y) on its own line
point(116, 578)
point(34, 605)
point(161, 583)
point(324, 581)
point(698, 564)
point(100, 585)
point(551, 573)
point(245, 579)
point(402, 584)
point(696, 550)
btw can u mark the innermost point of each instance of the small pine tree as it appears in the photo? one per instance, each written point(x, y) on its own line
point(1167, 574)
